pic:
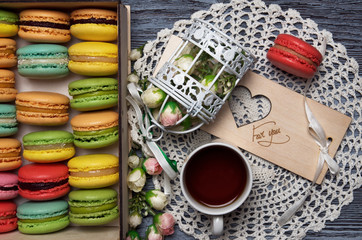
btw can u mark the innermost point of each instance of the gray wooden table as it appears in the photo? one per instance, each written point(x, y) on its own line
point(342, 18)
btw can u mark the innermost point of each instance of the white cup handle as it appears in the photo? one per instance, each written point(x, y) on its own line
point(217, 225)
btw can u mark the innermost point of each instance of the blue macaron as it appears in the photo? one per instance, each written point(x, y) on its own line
point(43, 61)
point(8, 123)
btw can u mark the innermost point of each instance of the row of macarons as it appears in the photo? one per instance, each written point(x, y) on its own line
point(51, 61)
point(48, 181)
point(87, 94)
point(49, 146)
point(84, 207)
point(41, 25)
point(91, 130)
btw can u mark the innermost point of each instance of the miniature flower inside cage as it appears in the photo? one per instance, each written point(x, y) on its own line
point(156, 199)
point(170, 114)
point(165, 223)
point(152, 233)
point(184, 62)
point(153, 97)
point(207, 82)
point(136, 179)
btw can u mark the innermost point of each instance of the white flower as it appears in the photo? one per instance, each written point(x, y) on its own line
point(153, 97)
point(133, 161)
point(134, 220)
point(133, 78)
point(156, 199)
point(135, 54)
point(136, 179)
point(184, 62)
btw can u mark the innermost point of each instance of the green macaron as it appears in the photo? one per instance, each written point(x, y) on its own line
point(8, 123)
point(48, 146)
point(42, 217)
point(93, 207)
point(8, 23)
point(43, 61)
point(93, 93)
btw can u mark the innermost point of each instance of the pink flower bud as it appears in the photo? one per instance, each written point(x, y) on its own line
point(151, 166)
point(171, 113)
point(152, 233)
point(164, 223)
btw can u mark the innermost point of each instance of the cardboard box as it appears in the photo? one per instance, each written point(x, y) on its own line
point(116, 229)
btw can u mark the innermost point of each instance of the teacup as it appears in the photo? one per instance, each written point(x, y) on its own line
point(216, 179)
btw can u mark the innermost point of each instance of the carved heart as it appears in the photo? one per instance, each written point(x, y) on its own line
point(247, 109)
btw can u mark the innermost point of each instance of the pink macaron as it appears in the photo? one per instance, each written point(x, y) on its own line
point(8, 185)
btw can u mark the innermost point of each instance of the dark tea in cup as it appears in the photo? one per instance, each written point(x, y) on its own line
point(216, 179)
point(215, 176)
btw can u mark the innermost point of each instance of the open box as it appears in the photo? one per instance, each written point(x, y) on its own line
point(116, 229)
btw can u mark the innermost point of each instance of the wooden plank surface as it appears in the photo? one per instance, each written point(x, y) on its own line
point(342, 18)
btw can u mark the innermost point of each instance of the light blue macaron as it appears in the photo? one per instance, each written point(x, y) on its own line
point(42, 217)
point(8, 123)
point(43, 61)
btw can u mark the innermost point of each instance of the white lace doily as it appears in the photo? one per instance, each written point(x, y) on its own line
point(337, 85)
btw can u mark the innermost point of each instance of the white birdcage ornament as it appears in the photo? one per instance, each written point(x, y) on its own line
point(201, 102)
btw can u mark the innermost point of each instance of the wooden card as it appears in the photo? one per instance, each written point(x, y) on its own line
point(281, 137)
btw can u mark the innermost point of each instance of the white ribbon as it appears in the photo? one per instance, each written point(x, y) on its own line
point(145, 129)
point(317, 132)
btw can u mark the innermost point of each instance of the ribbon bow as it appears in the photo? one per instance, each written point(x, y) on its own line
point(317, 132)
point(168, 166)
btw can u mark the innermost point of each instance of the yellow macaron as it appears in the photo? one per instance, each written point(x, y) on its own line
point(94, 24)
point(93, 171)
point(93, 58)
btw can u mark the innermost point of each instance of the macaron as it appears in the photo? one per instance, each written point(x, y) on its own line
point(7, 53)
point(93, 171)
point(37, 25)
point(10, 158)
point(8, 23)
point(94, 24)
point(8, 123)
point(7, 86)
point(48, 146)
point(294, 56)
point(42, 108)
point(8, 219)
point(93, 58)
point(93, 93)
point(95, 129)
point(42, 217)
point(43, 61)
point(43, 181)
point(93, 207)
point(8, 185)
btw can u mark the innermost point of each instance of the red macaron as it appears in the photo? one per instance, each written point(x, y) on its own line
point(8, 219)
point(45, 181)
point(294, 56)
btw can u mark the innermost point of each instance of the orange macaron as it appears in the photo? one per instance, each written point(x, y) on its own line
point(42, 108)
point(10, 158)
point(38, 25)
point(7, 86)
point(8, 57)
